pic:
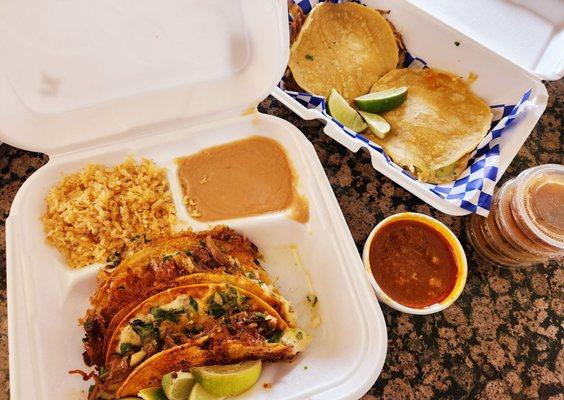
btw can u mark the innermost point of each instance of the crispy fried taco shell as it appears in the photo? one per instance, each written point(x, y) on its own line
point(211, 323)
point(215, 256)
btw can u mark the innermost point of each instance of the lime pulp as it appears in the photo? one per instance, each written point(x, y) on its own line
point(177, 385)
point(377, 124)
point(199, 393)
point(228, 380)
point(344, 113)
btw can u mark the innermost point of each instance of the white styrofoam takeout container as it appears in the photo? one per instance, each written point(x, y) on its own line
point(534, 52)
point(96, 81)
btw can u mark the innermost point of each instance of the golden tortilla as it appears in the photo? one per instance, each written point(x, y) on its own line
point(344, 46)
point(199, 324)
point(436, 128)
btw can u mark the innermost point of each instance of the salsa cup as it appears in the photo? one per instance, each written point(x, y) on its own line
point(451, 238)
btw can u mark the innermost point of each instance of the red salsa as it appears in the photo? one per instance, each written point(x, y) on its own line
point(413, 263)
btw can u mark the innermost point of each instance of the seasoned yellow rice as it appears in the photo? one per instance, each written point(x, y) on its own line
point(100, 214)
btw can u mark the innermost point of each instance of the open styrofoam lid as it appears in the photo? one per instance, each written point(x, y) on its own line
point(73, 73)
point(527, 32)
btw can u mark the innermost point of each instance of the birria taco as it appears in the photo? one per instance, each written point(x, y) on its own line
point(202, 324)
point(214, 256)
point(195, 298)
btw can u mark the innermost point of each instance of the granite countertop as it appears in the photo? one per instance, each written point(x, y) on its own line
point(503, 337)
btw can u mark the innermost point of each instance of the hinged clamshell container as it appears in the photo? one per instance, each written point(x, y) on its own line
point(97, 81)
point(526, 32)
point(510, 45)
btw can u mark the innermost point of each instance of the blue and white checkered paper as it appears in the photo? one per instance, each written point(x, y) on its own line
point(473, 190)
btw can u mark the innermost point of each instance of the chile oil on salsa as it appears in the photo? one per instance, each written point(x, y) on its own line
point(413, 263)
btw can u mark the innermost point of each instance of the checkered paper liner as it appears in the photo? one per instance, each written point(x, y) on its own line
point(473, 190)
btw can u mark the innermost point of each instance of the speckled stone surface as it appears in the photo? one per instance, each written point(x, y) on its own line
point(502, 339)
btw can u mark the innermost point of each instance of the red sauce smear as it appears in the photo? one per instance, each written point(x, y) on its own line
point(413, 263)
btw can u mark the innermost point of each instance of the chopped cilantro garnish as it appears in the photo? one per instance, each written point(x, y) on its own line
point(223, 302)
point(103, 373)
point(227, 296)
point(215, 310)
point(124, 348)
point(309, 57)
point(145, 330)
point(260, 316)
point(188, 252)
point(275, 337)
point(114, 259)
point(167, 257)
point(161, 314)
point(193, 304)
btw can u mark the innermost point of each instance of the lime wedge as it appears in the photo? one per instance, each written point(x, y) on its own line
point(377, 124)
point(199, 393)
point(155, 393)
point(177, 385)
point(343, 112)
point(228, 380)
point(385, 100)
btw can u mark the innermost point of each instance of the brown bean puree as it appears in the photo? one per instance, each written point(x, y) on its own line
point(242, 178)
point(413, 263)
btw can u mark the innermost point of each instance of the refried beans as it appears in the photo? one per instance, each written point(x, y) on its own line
point(247, 177)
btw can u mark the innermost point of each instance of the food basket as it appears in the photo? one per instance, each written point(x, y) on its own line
point(97, 81)
point(531, 43)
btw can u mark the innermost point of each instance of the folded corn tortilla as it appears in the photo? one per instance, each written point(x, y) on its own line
point(441, 122)
point(344, 46)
